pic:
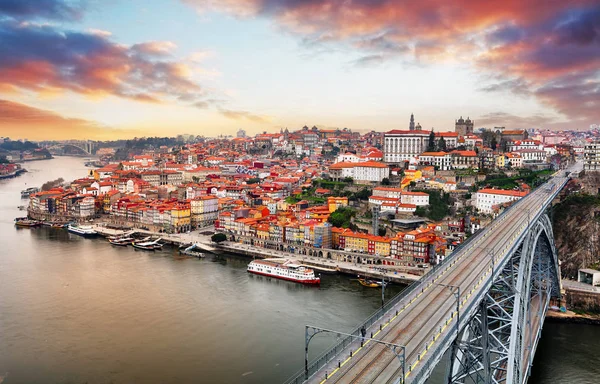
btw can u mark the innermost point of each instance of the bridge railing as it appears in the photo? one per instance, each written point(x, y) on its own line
point(404, 296)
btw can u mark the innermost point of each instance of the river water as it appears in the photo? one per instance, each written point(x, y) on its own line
point(75, 310)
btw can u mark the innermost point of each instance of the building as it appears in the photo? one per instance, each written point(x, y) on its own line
point(441, 160)
point(591, 156)
point(589, 276)
point(370, 171)
point(464, 127)
point(399, 146)
point(485, 200)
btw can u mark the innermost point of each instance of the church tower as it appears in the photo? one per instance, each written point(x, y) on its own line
point(411, 126)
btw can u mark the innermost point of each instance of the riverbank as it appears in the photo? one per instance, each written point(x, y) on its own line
point(203, 239)
point(13, 174)
point(571, 317)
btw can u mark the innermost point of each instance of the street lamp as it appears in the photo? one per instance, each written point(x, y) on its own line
point(455, 290)
point(310, 331)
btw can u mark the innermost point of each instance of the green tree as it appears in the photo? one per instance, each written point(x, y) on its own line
point(494, 143)
point(363, 194)
point(253, 180)
point(441, 144)
point(348, 179)
point(385, 181)
point(342, 217)
point(431, 145)
point(218, 238)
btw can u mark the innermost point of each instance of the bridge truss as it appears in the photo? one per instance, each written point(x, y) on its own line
point(498, 342)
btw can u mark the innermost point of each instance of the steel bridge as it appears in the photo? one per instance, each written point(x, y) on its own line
point(483, 306)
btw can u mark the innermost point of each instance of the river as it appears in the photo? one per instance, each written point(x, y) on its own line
point(75, 310)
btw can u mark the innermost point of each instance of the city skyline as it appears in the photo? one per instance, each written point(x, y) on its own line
point(108, 70)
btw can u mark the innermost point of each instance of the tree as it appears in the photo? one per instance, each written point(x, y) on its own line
point(218, 238)
point(431, 145)
point(385, 181)
point(494, 143)
point(253, 180)
point(348, 179)
point(441, 144)
point(342, 217)
point(363, 194)
point(381, 231)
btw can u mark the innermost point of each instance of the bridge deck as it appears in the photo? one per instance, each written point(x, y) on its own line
point(427, 316)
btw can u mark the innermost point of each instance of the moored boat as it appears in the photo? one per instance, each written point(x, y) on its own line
point(26, 192)
point(82, 230)
point(192, 250)
point(285, 271)
point(26, 223)
point(370, 283)
point(123, 241)
point(148, 245)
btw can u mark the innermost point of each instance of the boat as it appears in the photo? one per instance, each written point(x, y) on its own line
point(285, 271)
point(26, 192)
point(192, 251)
point(26, 223)
point(58, 225)
point(148, 245)
point(123, 241)
point(370, 283)
point(82, 230)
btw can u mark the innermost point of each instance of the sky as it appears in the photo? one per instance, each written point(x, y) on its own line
point(108, 69)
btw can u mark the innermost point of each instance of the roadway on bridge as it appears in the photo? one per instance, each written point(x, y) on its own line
point(431, 313)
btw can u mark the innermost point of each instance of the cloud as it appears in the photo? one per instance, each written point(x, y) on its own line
point(503, 119)
point(533, 46)
point(47, 9)
point(38, 57)
point(22, 121)
point(244, 115)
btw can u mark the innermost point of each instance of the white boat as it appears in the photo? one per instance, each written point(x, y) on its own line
point(122, 241)
point(148, 245)
point(285, 271)
point(82, 230)
point(26, 192)
point(192, 250)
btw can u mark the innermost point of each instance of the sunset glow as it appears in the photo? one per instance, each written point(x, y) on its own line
point(103, 70)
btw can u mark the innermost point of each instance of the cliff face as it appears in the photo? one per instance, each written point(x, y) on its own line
point(576, 224)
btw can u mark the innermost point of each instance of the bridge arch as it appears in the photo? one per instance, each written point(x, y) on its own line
point(496, 339)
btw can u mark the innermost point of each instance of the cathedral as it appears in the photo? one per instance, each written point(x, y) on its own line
point(464, 127)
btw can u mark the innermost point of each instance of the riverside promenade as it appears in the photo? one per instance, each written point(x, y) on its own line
point(399, 275)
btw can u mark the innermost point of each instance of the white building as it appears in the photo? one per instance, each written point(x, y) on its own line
point(486, 199)
point(532, 155)
point(400, 145)
point(370, 171)
point(441, 160)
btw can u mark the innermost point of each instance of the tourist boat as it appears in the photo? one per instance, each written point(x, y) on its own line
point(82, 230)
point(285, 271)
point(26, 223)
point(192, 251)
point(148, 245)
point(58, 225)
point(26, 192)
point(370, 283)
point(122, 241)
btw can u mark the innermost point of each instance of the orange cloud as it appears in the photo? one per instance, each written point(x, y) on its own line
point(22, 121)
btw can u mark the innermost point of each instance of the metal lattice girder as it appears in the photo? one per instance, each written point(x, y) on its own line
point(497, 343)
